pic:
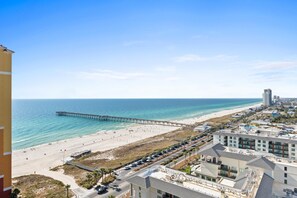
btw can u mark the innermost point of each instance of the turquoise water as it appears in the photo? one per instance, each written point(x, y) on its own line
point(35, 121)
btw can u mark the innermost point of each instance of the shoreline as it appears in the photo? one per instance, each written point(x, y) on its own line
point(185, 120)
point(39, 159)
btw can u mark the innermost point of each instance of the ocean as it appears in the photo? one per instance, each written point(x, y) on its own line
point(35, 121)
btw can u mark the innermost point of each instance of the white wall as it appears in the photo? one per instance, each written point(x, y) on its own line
point(291, 173)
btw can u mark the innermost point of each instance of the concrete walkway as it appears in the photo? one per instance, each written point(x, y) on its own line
point(66, 179)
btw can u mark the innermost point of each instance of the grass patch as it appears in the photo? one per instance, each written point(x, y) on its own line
point(108, 179)
point(40, 186)
point(186, 169)
point(126, 154)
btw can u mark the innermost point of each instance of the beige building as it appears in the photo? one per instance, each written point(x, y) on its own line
point(5, 121)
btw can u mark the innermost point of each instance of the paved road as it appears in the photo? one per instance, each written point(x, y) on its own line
point(123, 175)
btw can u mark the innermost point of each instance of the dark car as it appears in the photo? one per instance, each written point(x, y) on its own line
point(101, 189)
point(139, 162)
point(127, 168)
point(133, 165)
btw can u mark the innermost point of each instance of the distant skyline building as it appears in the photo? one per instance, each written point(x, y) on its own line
point(267, 97)
point(5, 121)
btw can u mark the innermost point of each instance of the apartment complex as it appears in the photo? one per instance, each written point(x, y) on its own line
point(221, 172)
point(278, 142)
point(162, 182)
point(219, 161)
point(267, 97)
point(5, 121)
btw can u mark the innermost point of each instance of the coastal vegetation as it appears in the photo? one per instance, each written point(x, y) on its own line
point(121, 156)
point(40, 186)
point(108, 179)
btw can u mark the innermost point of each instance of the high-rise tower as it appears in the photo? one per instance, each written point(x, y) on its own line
point(5, 121)
point(267, 97)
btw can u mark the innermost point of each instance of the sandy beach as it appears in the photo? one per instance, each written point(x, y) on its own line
point(40, 159)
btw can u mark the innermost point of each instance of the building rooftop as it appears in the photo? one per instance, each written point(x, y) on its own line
point(3, 48)
point(253, 158)
point(281, 134)
point(238, 188)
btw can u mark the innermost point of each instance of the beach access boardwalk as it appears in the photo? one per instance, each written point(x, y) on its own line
point(121, 119)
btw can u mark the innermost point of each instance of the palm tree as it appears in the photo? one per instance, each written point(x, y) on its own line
point(96, 174)
point(109, 170)
point(89, 176)
point(67, 190)
point(15, 193)
point(103, 171)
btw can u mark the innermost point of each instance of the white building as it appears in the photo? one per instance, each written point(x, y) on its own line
point(162, 182)
point(279, 142)
point(221, 172)
point(267, 97)
point(233, 163)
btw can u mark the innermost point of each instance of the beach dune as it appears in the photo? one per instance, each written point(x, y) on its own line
point(40, 159)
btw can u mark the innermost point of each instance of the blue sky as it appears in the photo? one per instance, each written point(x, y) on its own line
point(151, 49)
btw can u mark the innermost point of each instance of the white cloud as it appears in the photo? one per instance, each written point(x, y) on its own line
point(172, 78)
point(276, 65)
point(189, 58)
point(109, 74)
point(197, 58)
point(166, 69)
point(133, 43)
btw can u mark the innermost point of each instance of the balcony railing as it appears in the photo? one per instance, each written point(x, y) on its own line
point(223, 168)
point(224, 174)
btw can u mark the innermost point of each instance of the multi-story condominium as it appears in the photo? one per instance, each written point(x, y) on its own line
point(163, 182)
point(5, 121)
point(221, 172)
point(280, 143)
point(267, 97)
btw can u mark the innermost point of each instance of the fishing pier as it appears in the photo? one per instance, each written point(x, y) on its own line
point(120, 119)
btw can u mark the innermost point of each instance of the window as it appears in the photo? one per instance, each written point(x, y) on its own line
point(264, 149)
point(159, 191)
point(285, 181)
point(259, 145)
point(259, 141)
point(293, 149)
point(285, 168)
point(293, 145)
point(293, 154)
point(285, 175)
point(264, 141)
point(139, 188)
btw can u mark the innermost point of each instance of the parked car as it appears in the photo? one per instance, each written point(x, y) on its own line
point(102, 189)
point(133, 164)
point(127, 168)
point(139, 162)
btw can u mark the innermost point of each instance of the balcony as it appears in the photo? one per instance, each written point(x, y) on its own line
point(224, 174)
point(227, 169)
point(210, 161)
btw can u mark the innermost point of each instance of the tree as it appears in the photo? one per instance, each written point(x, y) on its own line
point(96, 175)
point(67, 190)
point(103, 171)
point(111, 196)
point(109, 170)
point(15, 193)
